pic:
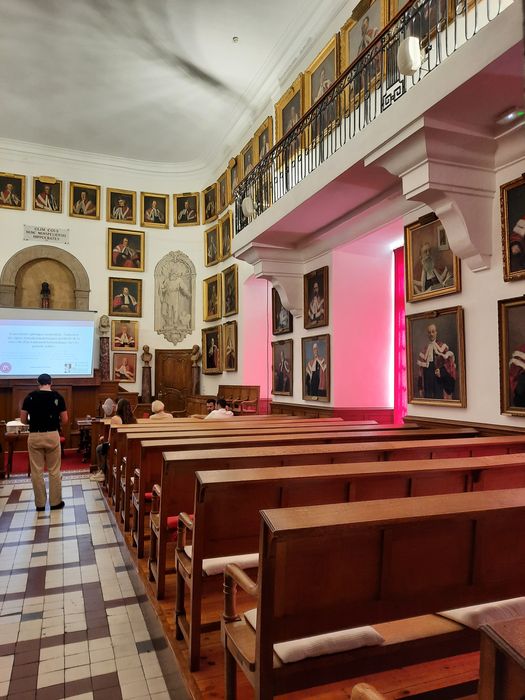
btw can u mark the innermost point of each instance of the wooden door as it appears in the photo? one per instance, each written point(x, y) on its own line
point(172, 371)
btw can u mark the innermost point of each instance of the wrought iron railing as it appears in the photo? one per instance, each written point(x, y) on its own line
point(368, 87)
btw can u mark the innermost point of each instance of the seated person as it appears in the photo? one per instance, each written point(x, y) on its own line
point(158, 412)
point(220, 413)
point(108, 408)
point(210, 406)
point(123, 416)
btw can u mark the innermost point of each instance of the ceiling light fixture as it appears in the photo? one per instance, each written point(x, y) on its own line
point(509, 115)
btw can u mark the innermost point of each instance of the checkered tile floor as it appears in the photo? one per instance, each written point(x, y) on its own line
point(74, 619)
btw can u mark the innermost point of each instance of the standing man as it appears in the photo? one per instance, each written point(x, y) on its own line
point(45, 411)
point(437, 368)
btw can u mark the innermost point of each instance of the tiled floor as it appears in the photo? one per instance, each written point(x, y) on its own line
point(74, 619)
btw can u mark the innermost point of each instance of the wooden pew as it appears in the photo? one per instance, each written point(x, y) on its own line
point(187, 463)
point(393, 565)
point(227, 504)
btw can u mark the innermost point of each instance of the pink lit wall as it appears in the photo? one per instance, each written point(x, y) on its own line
point(362, 323)
point(255, 335)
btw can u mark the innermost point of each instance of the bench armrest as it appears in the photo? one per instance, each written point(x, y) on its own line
point(249, 402)
point(136, 474)
point(234, 576)
point(185, 523)
point(155, 498)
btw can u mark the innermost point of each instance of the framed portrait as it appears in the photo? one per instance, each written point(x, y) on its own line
point(321, 73)
point(432, 269)
point(84, 200)
point(12, 191)
point(47, 194)
point(230, 285)
point(263, 139)
point(436, 358)
point(229, 345)
point(212, 297)
point(511, 313)
point(124, 367)
point(282, 367)
point(316, 367)
point(366, 22)
point(247, 158)
point(125, 250)
point(512, 203)
point(234, 175)
point(226, 234)
point(121, 206)
point(125, 297)
point(154, 210)
point(316, 298)
point(211, 246)
point(186, 209)
point(223, 195)
point(124, 335)
point(209, 203)
point(289, 109)
point(211, 350)
point(282, 319)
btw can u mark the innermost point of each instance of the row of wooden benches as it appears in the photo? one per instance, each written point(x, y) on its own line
point(248, 491)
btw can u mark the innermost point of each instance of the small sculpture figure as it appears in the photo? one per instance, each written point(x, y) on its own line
point(195, 370)
point(45, 293)
point(146, 356)
point(103, 325)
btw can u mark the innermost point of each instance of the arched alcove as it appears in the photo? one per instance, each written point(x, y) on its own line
point(20, 278)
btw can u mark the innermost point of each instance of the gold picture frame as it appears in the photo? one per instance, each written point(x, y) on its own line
point(209, 204)
point(356, 33)
point(289, 108)
point(263, 139)
point(229, 346)
point(124, 335)
point(316, 298)
point(211, 246)
point(247, 159)
point(154, 210)
point(282, 367)
point(12, 191)
point(225, 235)
point(186, 209)
point(230, 287)
point(234, 176)
point(435, 344)
point(212, 350)
point(84, 200)
point(125, 250)
point(125, 297)
point(125, 367)
point(431, 268)
point(511, 316)
point(322, 72)
point(316, 367)
point(282, 319)
point(512, 198)
point(223, 194)
point(47, 194)
point(121, 206)
point(212, 299)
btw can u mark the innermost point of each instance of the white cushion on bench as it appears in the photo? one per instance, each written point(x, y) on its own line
point(476, 615)
point(212, 567)
point(321, 644)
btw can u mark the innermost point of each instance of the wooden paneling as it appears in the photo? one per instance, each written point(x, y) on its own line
point(381, 415)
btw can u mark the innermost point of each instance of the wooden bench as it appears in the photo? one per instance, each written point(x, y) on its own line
point(227, 505)
point(393, 565)
point(243, 398)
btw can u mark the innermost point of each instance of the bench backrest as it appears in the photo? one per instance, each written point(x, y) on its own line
point(244, 392)
point(327, 568)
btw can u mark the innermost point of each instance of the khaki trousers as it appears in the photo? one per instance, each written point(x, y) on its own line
point(44, 450)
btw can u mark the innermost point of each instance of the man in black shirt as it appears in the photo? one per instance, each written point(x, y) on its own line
point(45, 411)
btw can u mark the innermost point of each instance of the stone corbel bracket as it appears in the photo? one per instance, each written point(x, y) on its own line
point(280, 266)
point(452, 173)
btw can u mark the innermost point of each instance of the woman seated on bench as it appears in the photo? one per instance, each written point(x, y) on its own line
point(123, 416)
point(158, 412)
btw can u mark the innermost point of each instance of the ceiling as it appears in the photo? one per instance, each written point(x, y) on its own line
point(152, 80)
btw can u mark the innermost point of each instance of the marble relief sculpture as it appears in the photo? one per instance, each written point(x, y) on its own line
point(175, 296)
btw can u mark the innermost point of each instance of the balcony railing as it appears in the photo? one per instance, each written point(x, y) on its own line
point(367, 88)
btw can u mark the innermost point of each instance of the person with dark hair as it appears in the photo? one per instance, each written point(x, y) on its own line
point(45, 411)
point(220, 413)
point(123, 416)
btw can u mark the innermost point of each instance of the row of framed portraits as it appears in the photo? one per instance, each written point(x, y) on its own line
point(436, 357)
point(218, 241)
point(315, 367)
point(221, 294)
point(219, 348)
point(121, 205)
point(316, 304)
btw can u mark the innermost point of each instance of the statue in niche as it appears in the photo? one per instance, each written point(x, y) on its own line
point(45, 293)
point(175, 296)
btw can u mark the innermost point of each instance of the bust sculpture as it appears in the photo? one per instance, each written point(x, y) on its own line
point(146, 355)
point(103, 325)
